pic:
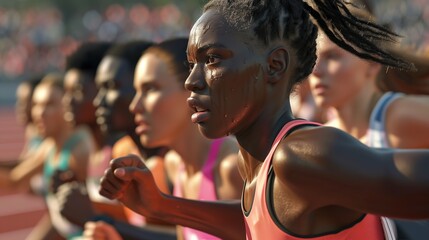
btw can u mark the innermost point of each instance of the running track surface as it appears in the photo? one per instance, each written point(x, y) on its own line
point(19, 211)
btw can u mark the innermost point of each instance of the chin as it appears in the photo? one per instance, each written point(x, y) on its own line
point(106, 130)
point(145, 141)
point(211, 134)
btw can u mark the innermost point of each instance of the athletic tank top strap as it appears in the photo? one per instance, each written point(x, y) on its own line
point(35, 142)
point(67, 150)
point(263, 172)
point(376, 136)
point(207, 187)
point(261, 222)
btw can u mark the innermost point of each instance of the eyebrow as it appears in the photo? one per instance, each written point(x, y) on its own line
point(208, 46)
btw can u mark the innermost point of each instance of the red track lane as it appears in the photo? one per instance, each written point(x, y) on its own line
point(19, 211)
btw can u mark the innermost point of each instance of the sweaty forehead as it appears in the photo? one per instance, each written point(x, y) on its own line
point(211, 28)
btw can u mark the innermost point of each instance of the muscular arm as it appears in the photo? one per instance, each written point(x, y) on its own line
point(221, 218)
point(341, 171)
point(117, 230)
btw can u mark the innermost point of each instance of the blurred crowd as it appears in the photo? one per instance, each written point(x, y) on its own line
point(38, 39)
point(408, 18)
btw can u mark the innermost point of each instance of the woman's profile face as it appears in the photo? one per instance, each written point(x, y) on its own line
point(48, 110)
point(79, 92)
point(114, 81)
point(338, 75)
point(225, 78)
point(159, 105)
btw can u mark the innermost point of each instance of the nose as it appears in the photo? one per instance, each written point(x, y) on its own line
point(136, 105)
point(100, 98)
point(37, 112)
point(195, 81)
point(318, 68)
point(67, 100)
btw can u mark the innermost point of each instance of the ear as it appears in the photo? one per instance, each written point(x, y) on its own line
point(373, 70)
point(278, 62)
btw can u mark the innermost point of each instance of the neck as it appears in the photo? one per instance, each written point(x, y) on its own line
point(255, 142)
point(99, 137)
point(353, 116)
point(112, 137)
point(192, 148)
point(62, 136)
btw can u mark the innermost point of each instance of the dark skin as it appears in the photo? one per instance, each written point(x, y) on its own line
point(319, 186)
point(115, 91)
point(80, 90)
point(114, 81)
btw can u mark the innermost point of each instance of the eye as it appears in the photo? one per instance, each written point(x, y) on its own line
point(149, 88)
point(332, 56)
point(190, 65)
point(111, 85)
point(212, 59)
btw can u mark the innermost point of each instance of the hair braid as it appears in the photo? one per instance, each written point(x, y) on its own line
point(301, 33)
point(357, 36)
point(289, 21)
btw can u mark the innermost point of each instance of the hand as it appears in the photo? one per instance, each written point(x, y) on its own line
point(100, 230)
point(75, 204)
point(131, 182)
point(59, 177)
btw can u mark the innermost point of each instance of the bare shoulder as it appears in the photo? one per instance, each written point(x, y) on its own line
point(408, 106)
point(407, 121)
point(311, 150)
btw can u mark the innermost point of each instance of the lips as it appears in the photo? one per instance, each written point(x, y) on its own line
point(69, 116)
point(41, 126)
point(102, 114)
point(201, 114)
point(142, 125)
point(320, 88)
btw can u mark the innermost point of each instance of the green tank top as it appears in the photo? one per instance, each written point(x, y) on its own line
point(64, 159)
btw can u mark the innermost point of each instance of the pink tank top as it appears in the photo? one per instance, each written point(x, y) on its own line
point(207, 189)
point(260, 224)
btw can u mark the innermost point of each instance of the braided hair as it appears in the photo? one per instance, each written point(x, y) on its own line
point(289, 20)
